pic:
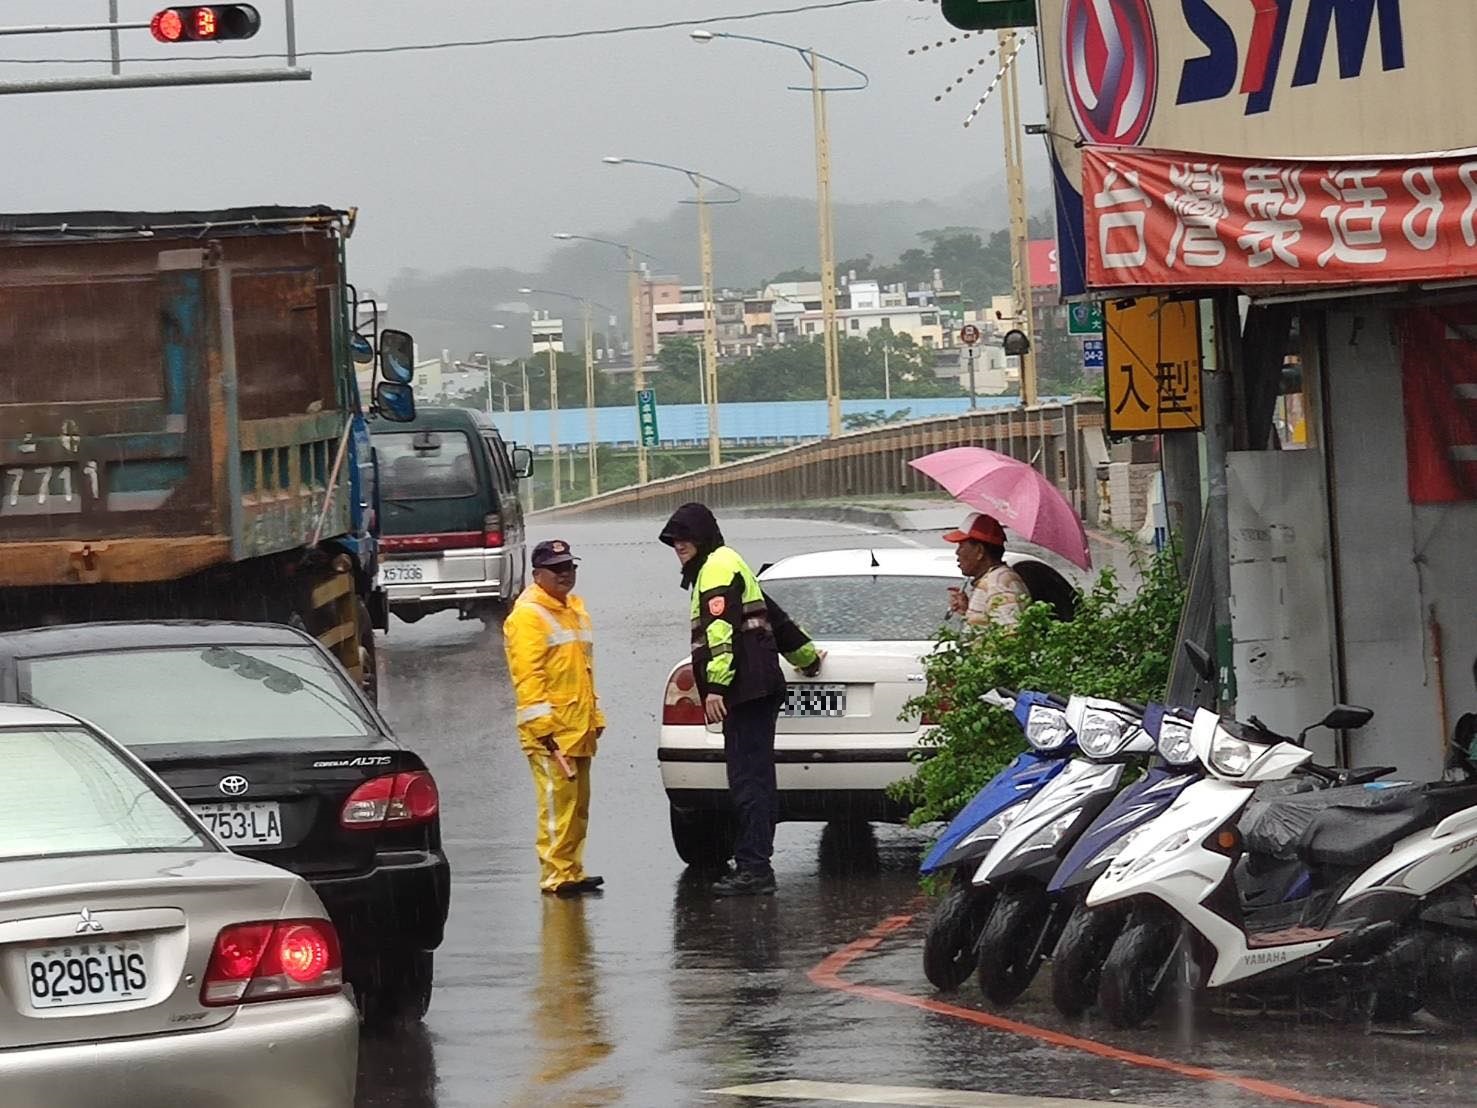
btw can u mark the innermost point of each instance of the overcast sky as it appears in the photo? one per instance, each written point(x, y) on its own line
point(472, 157)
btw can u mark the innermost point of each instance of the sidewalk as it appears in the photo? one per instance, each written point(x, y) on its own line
point(925, 516)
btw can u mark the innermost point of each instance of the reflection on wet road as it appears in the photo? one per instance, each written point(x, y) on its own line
point(655, 994)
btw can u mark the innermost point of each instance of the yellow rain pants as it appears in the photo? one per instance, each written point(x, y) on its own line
point(563, 819)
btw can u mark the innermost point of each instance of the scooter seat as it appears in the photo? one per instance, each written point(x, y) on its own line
point(1276, 825)
point(1355, 837)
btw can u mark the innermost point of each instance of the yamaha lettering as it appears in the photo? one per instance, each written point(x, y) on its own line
point(1350, 23)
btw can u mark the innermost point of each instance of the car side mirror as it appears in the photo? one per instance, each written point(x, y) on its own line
point(1200, 660)
point(395, 402)
point(522, 461)
point(1347, 717)
point(397, 356)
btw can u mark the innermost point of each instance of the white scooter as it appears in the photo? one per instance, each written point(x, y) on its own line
point(1386, 875)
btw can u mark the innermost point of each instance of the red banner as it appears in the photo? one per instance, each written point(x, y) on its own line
point(1438, 350)
point(1159, 219)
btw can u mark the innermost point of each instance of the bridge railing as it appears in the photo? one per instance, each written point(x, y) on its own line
point(1055, 438)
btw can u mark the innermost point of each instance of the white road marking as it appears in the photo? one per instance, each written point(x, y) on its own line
point(896, 536)
point(840, 1093)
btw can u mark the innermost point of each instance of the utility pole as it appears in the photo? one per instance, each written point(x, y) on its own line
point(886, 374)
point(554, 418)
point(827, 245)
point(1020, 231)
point(710, 326)
point(590, 402)
point(638, 352)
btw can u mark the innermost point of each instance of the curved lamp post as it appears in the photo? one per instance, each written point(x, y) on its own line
point(813, 59)
point(710, 319)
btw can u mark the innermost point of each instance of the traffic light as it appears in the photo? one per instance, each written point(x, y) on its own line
point(205, 23)
point(989, 15)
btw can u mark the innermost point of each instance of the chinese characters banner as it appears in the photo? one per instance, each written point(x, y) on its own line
point(1157, 218)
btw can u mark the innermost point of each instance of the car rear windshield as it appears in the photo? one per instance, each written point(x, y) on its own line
point(200, 694)
point(426, 465)
point(865, 609)
point(80, 797)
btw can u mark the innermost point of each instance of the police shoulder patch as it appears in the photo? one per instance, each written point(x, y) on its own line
point(717, 606)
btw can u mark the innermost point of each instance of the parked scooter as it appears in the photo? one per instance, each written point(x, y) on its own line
point(954, 928)
point(1077, 961)
point(1388, 906)
point(1026, 920)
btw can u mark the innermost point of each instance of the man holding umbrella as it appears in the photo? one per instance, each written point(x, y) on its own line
point(996, 593)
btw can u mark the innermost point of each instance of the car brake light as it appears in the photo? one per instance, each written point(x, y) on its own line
point(492, 531)
point(414, 544)
point(931, 716)
point(394, 800)
point(273, 960)
point(683, 707)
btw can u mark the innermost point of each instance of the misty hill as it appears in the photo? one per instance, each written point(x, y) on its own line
point(752, 242)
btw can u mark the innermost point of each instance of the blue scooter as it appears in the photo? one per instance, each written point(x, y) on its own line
point(954, 928)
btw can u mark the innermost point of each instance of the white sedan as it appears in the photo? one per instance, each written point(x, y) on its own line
point(141, 962)
point(841, 739)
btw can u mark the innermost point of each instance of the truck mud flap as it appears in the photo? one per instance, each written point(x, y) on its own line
point(335, 614)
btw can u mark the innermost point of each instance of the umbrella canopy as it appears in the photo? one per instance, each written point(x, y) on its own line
point(1014, 493)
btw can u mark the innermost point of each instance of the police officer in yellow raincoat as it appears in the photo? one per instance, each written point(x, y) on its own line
point(550, 648)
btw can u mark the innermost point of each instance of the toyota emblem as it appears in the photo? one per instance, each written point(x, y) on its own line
point(1110, 62)
point(234, 785)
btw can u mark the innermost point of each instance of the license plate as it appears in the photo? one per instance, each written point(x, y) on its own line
point(395, 572)
point(86, 973)
point(47, 490)
point(258, 823)
point(815, 700)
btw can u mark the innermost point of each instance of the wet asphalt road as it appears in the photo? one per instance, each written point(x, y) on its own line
point(654, 994)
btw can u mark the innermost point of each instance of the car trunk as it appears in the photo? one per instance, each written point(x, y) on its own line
point(294, 792)
point(860, 692)
point(142, 924)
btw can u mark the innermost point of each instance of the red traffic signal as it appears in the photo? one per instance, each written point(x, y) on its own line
point(205, 23)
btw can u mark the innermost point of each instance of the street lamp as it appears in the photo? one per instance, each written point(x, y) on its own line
point(710, 315)
point(638, 329)
point(488, 367)
point(813, 60)
point(586, 304)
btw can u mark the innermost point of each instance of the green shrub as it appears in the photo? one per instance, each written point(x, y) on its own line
point(1117, 646)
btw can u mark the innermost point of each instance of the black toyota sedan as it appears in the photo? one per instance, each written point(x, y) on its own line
point(261, 732)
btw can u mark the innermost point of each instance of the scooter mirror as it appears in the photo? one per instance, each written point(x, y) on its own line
point(1200, 660)
point(1347, 717)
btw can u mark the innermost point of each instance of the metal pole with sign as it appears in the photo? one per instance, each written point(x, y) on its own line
point(969, 334)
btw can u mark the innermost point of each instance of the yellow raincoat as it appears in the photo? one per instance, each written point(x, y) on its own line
point(551, 654)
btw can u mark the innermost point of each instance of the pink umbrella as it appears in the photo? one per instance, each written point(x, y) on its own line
point(1019, 497)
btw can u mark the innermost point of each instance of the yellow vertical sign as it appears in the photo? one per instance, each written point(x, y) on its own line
point(1153, 366)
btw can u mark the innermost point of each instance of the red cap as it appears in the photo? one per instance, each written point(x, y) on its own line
point(979, 528)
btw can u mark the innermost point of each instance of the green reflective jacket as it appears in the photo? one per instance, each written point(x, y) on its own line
point(738, 633)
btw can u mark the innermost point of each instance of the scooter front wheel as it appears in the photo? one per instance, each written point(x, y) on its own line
point(953, 934)
point(1011, 946)
point(1138, 968)
point(1077, 962)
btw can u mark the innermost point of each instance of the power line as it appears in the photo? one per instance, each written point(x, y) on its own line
point(508, 40)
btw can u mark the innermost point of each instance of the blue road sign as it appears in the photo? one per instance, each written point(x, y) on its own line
point(1094, 354)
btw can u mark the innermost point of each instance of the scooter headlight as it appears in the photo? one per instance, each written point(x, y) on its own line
point(1051, 834)
point(1047, 728)
point(1233, 756)
point(995, 826)
point(1103, 734)
point(1174, 742)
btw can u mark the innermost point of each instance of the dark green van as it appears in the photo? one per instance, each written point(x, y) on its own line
point(451, 526)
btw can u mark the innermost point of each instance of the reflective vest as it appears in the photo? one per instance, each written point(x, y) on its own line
point(551, 658)
point(738, 633)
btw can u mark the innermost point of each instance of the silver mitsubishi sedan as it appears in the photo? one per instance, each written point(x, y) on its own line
point(141, 962)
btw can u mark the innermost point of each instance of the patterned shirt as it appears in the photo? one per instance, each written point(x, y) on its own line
point(997, 596)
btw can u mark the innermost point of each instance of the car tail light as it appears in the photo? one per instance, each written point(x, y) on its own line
point(683, 707)
point(492, 531)
point(417, 544)
point(932, 716)
point(394, 800)
point(273, 960)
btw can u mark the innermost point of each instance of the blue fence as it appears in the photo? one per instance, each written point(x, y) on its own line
point(755, 424)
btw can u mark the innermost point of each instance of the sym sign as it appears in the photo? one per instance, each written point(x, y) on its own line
point(1251, 79)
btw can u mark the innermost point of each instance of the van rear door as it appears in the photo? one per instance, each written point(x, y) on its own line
point(438, 495)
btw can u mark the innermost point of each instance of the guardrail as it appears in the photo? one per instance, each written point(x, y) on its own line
point(874, 462)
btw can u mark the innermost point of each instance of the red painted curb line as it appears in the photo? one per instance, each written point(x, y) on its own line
point(827, 974)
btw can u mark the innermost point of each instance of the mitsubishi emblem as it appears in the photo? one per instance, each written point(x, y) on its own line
point(86, 923)
point(234, 785)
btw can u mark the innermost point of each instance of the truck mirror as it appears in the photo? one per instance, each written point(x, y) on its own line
point(397, 357)
point(361, 349)
point(522, 461)
point(395, 402)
